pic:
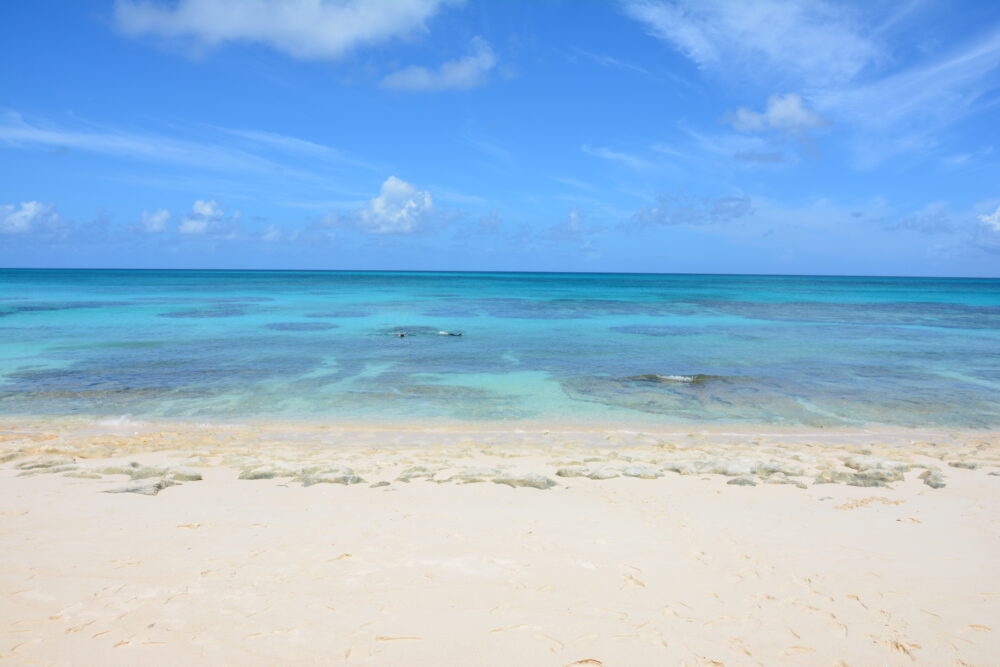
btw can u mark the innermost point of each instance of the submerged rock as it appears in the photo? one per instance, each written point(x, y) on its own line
point(378, 485)
point(531, 479)
point(697, 378)
point(745, 480)
point(968, 465)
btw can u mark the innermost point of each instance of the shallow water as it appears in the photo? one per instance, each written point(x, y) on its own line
point(322, 345)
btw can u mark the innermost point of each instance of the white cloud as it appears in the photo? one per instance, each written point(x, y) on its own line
point(272, 234)
point(813, 40)
point(205, 216)
point(616, 156)
point(991, 220)
point(400, 208)
point(784, 113)
point(466, 72)
point(15, 131)
point(307, 29)
point(938, 93)
point(154, 222)
point(28, 217)
point(685, 210)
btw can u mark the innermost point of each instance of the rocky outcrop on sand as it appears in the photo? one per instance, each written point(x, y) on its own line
point(515, 459)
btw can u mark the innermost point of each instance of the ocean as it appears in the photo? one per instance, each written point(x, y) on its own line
point(581, 348)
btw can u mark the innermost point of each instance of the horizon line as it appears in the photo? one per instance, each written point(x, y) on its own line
point(479, 272)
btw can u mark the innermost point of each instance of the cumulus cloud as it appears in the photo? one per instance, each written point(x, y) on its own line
point(991, 220)
point(206, 217)
point(154, 222)
point(812, 40)
point(466, 72)
point(783, 113)
point(399, 208)
point(683, 210)
point(306, 29)
point(30, 217)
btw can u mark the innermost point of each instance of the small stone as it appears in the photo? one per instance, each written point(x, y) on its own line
point(377, 485)
point(147, 487)
point(145, 472)
point(681, 467)
point(776, 467)
point(472, 475)
point(642, 471)
point(732, 468)
point(833, 477)
point(415, 472)
point(744, 480)
point(185, 474)
point(330, 478)
point(83, 475)
point(48, 470)
point(933, 479)
point(573, 471)
point(604, 473)
point(45, 463)
point(968, 465)
point(531, 479)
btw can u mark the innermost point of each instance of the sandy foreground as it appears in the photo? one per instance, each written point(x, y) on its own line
point(335, 545)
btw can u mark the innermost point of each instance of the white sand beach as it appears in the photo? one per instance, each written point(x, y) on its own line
point(642, 551)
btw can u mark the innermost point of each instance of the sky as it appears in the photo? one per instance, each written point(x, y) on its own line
point(664, 136)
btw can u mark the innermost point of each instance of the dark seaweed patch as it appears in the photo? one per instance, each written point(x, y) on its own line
point(226, 311)
point(300, 326)
point(68, 305)
point(339, 313)
point(651, 330)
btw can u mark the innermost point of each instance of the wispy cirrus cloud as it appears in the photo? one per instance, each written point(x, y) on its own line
point(812, 40)
point(223, 150)
point(305, 29)
point(681, 209)
point(839, 60)
point(466, 72)
point(627, 159)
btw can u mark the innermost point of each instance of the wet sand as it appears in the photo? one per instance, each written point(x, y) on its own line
point(312, 544)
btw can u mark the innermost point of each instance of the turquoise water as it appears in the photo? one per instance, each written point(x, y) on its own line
point(631, 348)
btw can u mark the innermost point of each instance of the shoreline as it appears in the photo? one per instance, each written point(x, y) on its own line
point(554, 425)
point(277, 543)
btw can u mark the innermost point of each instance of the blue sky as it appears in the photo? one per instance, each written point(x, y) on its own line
point(753, 136)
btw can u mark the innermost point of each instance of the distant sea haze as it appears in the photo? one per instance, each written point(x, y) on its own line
point(583, 348)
